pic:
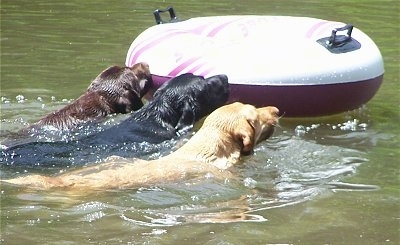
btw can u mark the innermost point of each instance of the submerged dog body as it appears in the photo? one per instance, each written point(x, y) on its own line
point(227, 133)
point(177, 104)
point(115, 90)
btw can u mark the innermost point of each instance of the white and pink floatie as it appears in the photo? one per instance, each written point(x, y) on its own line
point(304, 66)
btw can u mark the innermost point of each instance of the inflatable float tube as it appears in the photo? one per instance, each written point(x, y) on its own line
point(304, 66)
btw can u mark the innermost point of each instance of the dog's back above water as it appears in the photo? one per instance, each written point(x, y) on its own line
point(225, 135)
point(176, 106)
point(115, 90)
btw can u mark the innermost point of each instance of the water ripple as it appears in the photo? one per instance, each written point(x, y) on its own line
point(285, 170)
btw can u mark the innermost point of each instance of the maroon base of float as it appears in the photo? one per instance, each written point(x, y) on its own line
point(304, 100)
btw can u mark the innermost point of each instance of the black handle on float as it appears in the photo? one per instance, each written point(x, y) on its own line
point(158, 18)
point(338, 40)
point(339, 44)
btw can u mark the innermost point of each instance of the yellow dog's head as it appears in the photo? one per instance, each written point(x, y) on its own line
point(245, 123)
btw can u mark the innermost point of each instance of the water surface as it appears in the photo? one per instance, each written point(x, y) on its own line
point(328, 180)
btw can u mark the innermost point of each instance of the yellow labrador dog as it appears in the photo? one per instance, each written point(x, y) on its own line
point(226, 133)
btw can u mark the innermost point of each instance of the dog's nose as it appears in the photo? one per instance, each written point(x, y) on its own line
point(223, 77)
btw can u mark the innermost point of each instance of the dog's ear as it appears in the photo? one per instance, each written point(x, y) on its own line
point(247, 140)
point(248, 128)
point(187, 118)
point(142, 73)
point(142, 86)
point(128, 102)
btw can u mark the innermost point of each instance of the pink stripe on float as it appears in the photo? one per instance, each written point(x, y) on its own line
point(217, 29)
point(206, 72)
point(314, 28)
point(133, 56)
point(132, 52)
point(182, 66)
point(199, 29)
point(197, 67)
point(149, 45)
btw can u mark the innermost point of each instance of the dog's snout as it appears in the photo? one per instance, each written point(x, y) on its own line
point(274, 111)
point(223, 77)
point(220, 78)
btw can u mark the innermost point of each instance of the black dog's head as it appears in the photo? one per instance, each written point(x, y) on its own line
point(123, 86)
point(187, 98)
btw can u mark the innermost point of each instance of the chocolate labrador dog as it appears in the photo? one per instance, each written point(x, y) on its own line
point(176, 106)
point(226, 133)
point(115, 90)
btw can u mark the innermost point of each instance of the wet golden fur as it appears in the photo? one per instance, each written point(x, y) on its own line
point(226, 133)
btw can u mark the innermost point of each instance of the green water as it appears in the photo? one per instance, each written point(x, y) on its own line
point(336, 184)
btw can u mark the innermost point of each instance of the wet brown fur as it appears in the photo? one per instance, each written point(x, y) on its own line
point(115, 90)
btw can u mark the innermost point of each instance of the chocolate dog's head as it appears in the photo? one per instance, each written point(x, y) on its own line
point(123, 87)
point(187, 97)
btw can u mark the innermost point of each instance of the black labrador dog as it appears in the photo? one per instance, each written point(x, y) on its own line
point(176, 106)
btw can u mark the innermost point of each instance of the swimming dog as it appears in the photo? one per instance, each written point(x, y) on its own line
point(226, 134)
point(115, 90)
